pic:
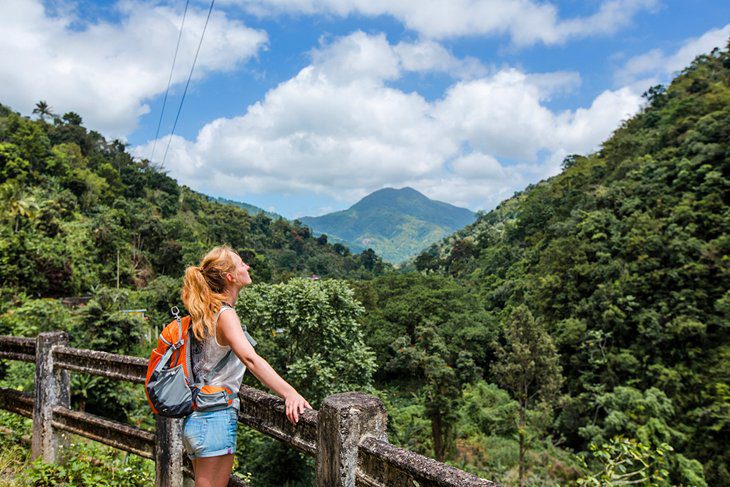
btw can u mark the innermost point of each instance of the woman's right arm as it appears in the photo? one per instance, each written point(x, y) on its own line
point(230, 329)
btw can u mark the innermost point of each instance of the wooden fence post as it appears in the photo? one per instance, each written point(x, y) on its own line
point(344, 420)
point(168, 453)
point(51, 390)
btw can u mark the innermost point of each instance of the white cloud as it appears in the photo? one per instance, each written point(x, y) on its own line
point(582, 130)
point(428, 56)
point(655, 66)
point(360, 56)
point(477, 165)
point(526, 22)
point(329, 131)
point(107, 71)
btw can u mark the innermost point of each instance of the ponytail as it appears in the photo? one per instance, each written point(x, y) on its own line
point(203, 288)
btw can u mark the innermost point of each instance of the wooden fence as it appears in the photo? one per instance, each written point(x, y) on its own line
point(347, 436)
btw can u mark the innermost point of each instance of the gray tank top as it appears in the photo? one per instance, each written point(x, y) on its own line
point(211, 352)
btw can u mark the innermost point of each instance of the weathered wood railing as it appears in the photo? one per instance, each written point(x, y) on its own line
point(347, 436)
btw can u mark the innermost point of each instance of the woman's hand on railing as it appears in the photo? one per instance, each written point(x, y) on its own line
point(295, 405)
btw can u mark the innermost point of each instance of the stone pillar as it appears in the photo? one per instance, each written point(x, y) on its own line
point(344, 420)
point(168, 453)
point(51, 390)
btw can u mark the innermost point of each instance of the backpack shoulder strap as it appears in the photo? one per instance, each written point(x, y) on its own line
point(218, 367)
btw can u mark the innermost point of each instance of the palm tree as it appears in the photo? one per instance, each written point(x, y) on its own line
point(43, 109)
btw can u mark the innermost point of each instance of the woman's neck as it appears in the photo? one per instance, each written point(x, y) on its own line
point(231, 295)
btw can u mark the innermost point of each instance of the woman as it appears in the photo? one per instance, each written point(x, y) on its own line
point(209, 293)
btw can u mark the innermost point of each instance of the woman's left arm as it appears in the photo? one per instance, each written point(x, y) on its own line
point(230, 328)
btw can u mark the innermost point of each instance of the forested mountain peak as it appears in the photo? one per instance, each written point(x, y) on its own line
point(395, 198)
point(411, 202)
point(396, 223)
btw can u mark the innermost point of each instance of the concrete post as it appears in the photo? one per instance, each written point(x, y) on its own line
point(51, 390)
point(168, 453)
point(344, 420)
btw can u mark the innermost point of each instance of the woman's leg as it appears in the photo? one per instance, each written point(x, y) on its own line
point(213, 471)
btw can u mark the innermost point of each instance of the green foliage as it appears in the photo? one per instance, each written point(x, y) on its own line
point(486, 409)
point(647, 416)
point(81, 212)
point(623, 257)
point(626, 461)
point(310, 330)
point(528, 367)
point(265, 462)
point(397, 304)
point(34, 316)
point(428, 359)
point(408, 425)
point(86, 463)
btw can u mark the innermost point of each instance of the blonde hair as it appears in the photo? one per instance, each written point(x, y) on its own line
point(203, 288)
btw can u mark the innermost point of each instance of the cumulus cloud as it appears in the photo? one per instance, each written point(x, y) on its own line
point(362, 56)
point(430, 56)
point(329, 131)
point(656, 66)
point(525, 21)
point(108, 70)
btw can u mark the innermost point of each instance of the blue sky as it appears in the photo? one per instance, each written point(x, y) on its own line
point(304, 106)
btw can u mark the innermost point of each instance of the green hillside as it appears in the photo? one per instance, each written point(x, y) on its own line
point(251, 209)
point(625, 259)
point(396, 223)
point(79, 212)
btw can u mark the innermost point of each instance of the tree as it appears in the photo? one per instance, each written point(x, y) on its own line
point(428, 357)
point(527, 366)
point(309, 331)
point(72, 118)
point(369, 259)
point(649, 417)
point(43, 110)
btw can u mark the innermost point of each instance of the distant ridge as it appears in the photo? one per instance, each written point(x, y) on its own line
point(251, 209)
point(396, 223)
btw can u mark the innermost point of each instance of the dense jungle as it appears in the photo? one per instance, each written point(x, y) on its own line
point(578, 334)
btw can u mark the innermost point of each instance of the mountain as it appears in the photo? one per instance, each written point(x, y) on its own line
point(396, 223)
point(623, 258)
point(250, 209)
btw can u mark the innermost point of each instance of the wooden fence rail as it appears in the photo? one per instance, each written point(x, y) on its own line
point(347, 436)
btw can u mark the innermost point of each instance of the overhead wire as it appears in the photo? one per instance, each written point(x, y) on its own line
point(169, 79)
point(187, 84)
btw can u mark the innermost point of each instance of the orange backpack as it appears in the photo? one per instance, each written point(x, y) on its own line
point(170, 384)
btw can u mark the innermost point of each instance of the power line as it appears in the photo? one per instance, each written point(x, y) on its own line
point(190, 75)
point(169, 80)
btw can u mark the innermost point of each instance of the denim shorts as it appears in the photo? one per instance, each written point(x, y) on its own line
point(210, 433)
